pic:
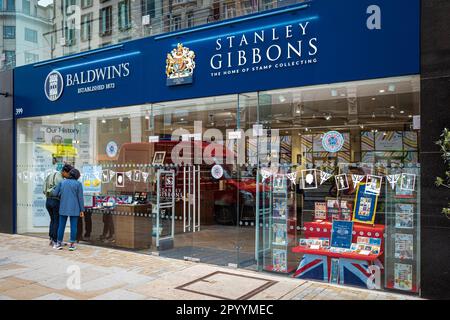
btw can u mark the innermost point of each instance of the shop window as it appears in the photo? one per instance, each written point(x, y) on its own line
point(105, 21)
point(31, 35)
point(9, 32)
point(124, 15)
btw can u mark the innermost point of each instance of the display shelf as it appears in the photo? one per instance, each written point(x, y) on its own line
point(328, 253)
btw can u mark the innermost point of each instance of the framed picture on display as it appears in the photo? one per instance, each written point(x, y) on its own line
point(365, 205)
point(159, 157)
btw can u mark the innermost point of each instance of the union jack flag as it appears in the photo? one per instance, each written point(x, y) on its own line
point(313, 267)
point(354, 272)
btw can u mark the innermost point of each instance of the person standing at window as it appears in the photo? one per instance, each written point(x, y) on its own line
point(72, 205)
point(52, 202)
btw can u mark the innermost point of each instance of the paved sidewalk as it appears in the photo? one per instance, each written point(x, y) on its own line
point(30, 269)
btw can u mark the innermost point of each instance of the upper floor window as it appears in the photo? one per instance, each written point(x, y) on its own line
point(124, 15)
point(176, 23)
point(70, 32)
point(31, 35)
point(9, 32)
point(31, 57)
point(86, 26)
point(190, 19)
point(105, 21)
point(26, 6)
point(148, 8)
point(10, 58)
point(86, 3)
point(11, 5)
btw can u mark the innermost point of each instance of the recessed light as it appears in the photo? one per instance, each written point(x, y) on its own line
point(373, 99)
point(410, 116)
point(392, 107)
point(402, 112)
point(103, 121)
point(80, 123)
point(361, 126)
point(182, 119)
point(373, 115)
point(342, 94)
point(381, 90)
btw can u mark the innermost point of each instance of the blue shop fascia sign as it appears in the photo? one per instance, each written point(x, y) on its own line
point(311, 43)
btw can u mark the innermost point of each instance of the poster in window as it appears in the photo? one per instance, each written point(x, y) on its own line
point(365, 205)
point(279, 208)
point(320, 211)
point(404, 215)
point(333, 209)
point(346, 210)
point(403, 276)
point(404, 246)
point(279, 234)
point(279, 260)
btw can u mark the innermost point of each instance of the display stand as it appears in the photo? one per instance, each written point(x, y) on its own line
point(280, 231)
point(402, 260)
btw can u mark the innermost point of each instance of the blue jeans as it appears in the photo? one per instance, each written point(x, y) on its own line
point(73, 228)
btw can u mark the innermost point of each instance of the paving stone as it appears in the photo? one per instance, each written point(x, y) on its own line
point(120, 294)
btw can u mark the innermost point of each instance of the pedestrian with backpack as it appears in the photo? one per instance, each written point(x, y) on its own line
point(52, 202)
point(72, 206)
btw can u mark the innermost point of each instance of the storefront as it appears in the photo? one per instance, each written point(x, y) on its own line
point(286, 142)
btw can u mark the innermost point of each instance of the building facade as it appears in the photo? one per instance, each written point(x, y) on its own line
point(288, 141)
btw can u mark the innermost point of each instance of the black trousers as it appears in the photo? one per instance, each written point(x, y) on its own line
point(52, 206)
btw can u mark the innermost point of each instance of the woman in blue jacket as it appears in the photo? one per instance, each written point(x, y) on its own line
point(70, 191)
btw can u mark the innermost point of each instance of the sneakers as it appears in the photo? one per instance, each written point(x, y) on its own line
point(72, 247)
point(57, 246)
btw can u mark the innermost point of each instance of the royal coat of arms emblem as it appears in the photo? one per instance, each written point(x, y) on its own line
point(180, 65)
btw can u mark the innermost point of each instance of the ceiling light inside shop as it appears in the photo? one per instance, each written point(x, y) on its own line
point(382, 90)
point(120, 119)
point(328, 117)
point(402, 112)
point(410, 116)
point(80, 123)
point(361, 126)
point(392, 115)
point(103, 120)
point(373, 115)
point(306, 129)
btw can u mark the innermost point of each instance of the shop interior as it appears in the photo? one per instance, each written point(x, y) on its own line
point(142, 195)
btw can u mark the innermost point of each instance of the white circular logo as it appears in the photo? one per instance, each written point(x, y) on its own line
point(217, 171)
point(332, 141)
point(111, 149)
point(54, 85)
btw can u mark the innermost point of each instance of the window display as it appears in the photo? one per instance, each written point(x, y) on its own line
point(319, 194)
